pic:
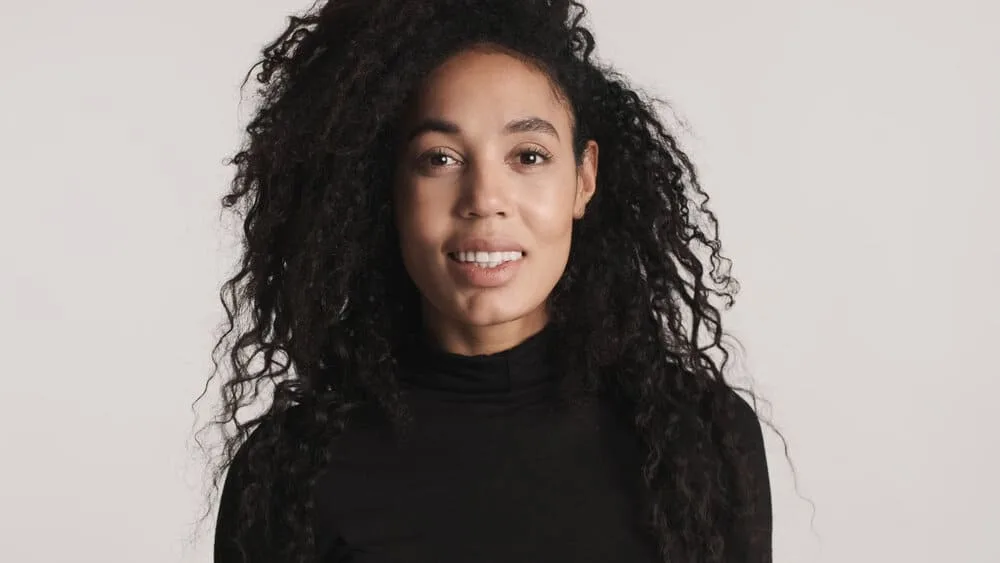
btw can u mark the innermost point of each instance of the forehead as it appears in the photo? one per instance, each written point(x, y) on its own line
point(489, 89)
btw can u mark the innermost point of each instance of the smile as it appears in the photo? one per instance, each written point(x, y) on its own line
point(486, 259)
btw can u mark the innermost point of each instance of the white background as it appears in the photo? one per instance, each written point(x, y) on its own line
point(850, 148)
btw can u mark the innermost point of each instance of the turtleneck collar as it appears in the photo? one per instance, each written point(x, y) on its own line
point(525, 365)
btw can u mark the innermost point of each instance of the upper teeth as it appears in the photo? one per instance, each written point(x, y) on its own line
point(488, 259)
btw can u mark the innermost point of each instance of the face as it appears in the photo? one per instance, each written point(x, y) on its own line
point(487, 189)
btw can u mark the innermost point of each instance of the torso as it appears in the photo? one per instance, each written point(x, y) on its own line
point(495, 479)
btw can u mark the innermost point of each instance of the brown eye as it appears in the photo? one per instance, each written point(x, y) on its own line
point(532, 157)
point(439, 159)
point(436, 161)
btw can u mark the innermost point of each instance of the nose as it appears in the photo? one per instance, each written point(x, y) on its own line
point(485, 192)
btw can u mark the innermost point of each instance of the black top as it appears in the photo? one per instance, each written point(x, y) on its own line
point(491, 472)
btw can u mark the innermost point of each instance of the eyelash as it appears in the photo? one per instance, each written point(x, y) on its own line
point(545, 155)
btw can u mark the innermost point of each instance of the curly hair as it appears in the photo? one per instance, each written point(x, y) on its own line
point(327, 299)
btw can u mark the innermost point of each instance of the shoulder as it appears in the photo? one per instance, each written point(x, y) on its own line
point(735, 411)
point(738, 430)
point(746, 423)
point(229, 538)
point(735, 419)
point(270, 427)
point(738, 433)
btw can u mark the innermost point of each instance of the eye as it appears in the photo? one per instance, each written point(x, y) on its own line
point(437, 159)
point(533, 156)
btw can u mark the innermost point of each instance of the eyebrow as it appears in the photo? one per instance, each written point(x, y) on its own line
point(526, 125)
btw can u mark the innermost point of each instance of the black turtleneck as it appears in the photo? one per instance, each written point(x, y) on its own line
point(491, 471)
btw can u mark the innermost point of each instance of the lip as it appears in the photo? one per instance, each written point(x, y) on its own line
point(482, 244)
point(469, 274)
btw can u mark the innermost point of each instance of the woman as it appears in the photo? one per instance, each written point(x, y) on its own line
point(471, 262)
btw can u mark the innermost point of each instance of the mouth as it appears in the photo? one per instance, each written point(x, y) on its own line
point(486, 260)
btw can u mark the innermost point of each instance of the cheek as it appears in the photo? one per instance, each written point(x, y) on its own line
point(420, 221)
point(551, 217)
point(553, 231)
point(422, 229)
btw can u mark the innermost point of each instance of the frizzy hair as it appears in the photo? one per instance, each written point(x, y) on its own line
point(327, 300)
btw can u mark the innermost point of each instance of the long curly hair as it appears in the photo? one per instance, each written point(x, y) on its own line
point(321, 300)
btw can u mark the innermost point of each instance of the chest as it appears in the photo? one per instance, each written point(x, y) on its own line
point(537, 486)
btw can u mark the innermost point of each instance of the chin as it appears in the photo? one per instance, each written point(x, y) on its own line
point(493, 310)
point(488, 316)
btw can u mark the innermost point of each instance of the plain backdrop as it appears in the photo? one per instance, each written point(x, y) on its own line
point(850, 149)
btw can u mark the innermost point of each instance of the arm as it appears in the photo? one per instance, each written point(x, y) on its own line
point(752, 524)
point(226, 548)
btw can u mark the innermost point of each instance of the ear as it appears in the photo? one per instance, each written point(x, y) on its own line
point(586, 179)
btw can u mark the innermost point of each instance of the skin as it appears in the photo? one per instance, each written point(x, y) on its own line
point(477, 178)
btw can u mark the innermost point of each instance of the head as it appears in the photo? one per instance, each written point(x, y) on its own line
point(468, 169)
point(489, 182)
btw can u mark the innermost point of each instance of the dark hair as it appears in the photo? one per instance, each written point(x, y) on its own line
point(328, 299)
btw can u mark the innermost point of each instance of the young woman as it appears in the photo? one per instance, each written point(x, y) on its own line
point(471, 268)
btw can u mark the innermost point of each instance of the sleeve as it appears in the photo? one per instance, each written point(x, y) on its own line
point(226, 548)
point(752, 524)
